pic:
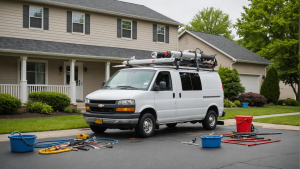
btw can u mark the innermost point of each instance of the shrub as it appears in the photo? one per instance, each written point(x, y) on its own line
point(279, 102)
point(231, 82)
point(253, 99)
point(58, 101)
point(270, 87)
point(227, 103)
point(74, 110)
point(9, 103)
point(291, 102)
point(47, 109)
point(68, 110)
point(37, 107)
point(28, 104)
point(237, 102)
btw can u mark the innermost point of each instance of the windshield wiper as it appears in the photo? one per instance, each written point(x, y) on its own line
point(124, 87)
point(106, 87)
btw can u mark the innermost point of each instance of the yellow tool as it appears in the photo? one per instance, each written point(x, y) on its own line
point(83, 136)
point(53, 150)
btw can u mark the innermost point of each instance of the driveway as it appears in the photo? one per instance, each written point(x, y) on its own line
point(165, 150)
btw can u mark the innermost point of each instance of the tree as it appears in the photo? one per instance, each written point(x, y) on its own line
point(270, 87)
point(231, 82)
point(211, 20)
point(270, 29)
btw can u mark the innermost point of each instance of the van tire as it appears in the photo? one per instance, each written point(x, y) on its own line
point(210, 121)
point(146, 126)
point(98, 129)
point(172, 125)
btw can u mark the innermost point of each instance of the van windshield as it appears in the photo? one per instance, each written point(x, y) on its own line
point(130, 79)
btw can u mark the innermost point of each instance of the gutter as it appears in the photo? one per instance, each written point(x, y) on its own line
point(103, 11)
point(249, 61)
point(22, 52)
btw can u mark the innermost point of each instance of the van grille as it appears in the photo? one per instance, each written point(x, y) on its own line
point(103, 101)
point(98, 109)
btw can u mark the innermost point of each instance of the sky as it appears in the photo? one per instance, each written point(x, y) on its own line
point(184, 10)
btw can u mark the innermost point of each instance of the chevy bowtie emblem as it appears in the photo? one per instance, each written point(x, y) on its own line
point(100, 105)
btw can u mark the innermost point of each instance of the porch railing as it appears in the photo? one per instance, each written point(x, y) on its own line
point(49, 88)
point(12, 89)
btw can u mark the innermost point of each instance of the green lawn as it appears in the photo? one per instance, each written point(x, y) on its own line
point(266, 110)
point(42, 124)
point(287, 120)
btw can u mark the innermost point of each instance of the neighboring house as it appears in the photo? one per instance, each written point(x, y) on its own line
point(251, 67)
point(70, 46)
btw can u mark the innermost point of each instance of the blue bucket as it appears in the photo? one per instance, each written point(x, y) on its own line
point(21, 143)
point(245, 104)
point(211, 141)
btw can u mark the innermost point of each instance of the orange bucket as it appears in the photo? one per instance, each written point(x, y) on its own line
point(243, 123)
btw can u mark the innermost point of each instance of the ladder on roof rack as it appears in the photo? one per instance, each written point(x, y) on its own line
point(177, 59)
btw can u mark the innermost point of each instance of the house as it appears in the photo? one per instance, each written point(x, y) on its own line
point(70, 46)
point(251, 67)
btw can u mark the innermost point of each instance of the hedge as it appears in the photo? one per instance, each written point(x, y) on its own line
point(270, 87)
point(58, 101)
point(253, 99)
point(9, 103)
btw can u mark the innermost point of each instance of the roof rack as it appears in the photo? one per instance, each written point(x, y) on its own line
point(187, 59)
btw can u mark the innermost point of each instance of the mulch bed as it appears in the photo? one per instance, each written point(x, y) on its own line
point(18, 115)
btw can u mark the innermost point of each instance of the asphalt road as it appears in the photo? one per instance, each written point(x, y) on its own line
point(165, 150)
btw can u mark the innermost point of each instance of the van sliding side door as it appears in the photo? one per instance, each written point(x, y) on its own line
point(190, 101)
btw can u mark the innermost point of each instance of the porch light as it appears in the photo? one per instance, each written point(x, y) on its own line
point(60, 68)
point(85, 69)
point(263, 77)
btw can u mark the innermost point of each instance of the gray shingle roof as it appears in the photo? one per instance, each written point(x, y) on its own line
point(117, 7)
point(231, 48)
point(70, 48)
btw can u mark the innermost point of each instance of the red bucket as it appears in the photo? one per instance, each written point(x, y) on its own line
point(243, 123)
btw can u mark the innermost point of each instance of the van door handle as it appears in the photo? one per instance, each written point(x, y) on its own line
point(173, 95)
point(180, 95)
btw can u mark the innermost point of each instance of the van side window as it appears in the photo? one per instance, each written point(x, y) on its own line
point(186, 83)
point(196, 82)
point(166, 77)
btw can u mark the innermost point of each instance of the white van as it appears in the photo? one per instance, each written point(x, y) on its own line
point(144, 98)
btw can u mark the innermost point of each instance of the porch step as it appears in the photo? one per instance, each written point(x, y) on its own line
point(81, 106)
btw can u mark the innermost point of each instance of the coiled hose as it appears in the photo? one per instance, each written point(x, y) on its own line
point(50, 143)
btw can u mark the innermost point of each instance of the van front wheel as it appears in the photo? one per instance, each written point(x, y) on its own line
point(146, 126)
point(210, 121)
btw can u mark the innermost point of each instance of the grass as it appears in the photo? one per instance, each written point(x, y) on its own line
point(42, 124)
point(266, 110)
point(286, 120)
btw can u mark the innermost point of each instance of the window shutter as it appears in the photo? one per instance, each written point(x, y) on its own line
point(134, 30)
point(87, 23)
point(25, 16)
point(46, 18)
point(119, 28)
point(69, 21)
point(167, 34)
point(154, 33)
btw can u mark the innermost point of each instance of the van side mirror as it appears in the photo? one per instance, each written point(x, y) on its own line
point(103, 83)
point(162, 85)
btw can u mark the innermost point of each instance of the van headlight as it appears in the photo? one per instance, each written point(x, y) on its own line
point(126, 102)
point(87, 100)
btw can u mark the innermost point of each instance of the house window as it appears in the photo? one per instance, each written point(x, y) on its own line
point(36, 17)
point(78, 22)
point(160, 33)
point(126, 29)
point(35, 73)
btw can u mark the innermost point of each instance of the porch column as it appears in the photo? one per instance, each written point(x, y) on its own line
point(72, 82)
point(107, 70)
point(23, 82)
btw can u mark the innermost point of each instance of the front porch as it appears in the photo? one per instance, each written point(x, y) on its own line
point(76, 78)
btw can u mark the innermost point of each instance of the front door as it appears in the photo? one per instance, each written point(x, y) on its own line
point(165, 101)
point(78, 79)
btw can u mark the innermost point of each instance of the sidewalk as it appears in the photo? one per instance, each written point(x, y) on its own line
point(228, 122)
point(232, 122)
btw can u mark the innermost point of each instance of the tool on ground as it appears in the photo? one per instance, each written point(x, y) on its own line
point(191, 142)
point(62, 145)
point(242, 141)
point(247, 135)
point(105, 146)
point(81, 148)
point(77, 142)
point(83, 136)
point(94, 147)
point(53, 150)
